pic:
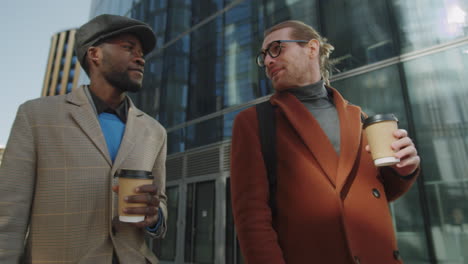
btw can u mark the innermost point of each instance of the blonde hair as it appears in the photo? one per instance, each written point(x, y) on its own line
point(302, 31)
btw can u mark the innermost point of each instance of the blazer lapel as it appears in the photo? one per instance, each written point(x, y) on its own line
point(134, 130)
point(86, 119)
point(309, 130)
point(350, 137)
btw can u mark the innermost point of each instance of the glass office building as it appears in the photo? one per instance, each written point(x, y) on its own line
point(405, 57)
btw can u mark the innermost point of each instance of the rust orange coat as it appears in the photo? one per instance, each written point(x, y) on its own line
point(328, 209)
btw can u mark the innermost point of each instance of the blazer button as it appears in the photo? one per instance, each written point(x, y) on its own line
point(396, 254)
point(376, 193)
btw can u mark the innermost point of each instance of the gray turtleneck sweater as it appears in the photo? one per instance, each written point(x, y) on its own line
point(316, 100)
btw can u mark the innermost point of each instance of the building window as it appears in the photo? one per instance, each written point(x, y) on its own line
point(439, 99)
point(233, 252)
point(199, 229)
point(165, 248)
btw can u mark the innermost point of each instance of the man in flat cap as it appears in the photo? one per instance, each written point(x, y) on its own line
point(58, 199)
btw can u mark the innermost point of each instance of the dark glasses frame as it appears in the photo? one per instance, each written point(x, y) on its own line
point(262, 54)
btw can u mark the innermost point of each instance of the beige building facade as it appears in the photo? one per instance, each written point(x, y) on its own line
point(63, 68)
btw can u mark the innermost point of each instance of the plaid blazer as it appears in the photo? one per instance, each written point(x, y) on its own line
point(56, 179)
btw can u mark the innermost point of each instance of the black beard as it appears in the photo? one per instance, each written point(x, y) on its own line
point(122, 82)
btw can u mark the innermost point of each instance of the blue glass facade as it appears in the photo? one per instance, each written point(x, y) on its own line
point(405, 57)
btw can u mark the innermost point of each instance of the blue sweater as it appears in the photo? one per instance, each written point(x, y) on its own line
point(113, 129)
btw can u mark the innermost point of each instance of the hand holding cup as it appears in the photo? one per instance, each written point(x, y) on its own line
point(390, 146)
point(138, 198)
point(406, 151)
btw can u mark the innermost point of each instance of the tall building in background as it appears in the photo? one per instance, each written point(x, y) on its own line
point(63, 69)
point(405, 57)
point(2, 149)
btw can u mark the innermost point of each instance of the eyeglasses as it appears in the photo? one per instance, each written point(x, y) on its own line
point(274, 50)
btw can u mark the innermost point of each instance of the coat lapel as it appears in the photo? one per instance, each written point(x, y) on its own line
point(134, 130)
point(309, 130)
point(350, 137)
point(85, 117)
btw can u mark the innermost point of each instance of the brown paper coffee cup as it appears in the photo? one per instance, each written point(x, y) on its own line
point(128, 181)
point(379, 130)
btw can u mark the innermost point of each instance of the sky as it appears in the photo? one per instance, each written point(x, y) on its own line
point(27, 27)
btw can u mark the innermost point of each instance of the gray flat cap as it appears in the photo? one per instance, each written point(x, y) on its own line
point(106, 26)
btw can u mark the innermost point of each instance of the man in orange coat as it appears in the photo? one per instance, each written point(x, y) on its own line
point(332, 202)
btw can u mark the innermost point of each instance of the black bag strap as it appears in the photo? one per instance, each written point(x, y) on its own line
point(267, 135)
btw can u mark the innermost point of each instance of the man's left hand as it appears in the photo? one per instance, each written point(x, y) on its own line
point(148, 194)
point(405, 151)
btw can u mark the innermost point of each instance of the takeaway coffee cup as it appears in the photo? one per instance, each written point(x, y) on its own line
point(379, 130)
point(128, 181)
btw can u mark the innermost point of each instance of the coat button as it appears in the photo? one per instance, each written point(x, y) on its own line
point(396, 255)
point(376, 193)
point(357, 260)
